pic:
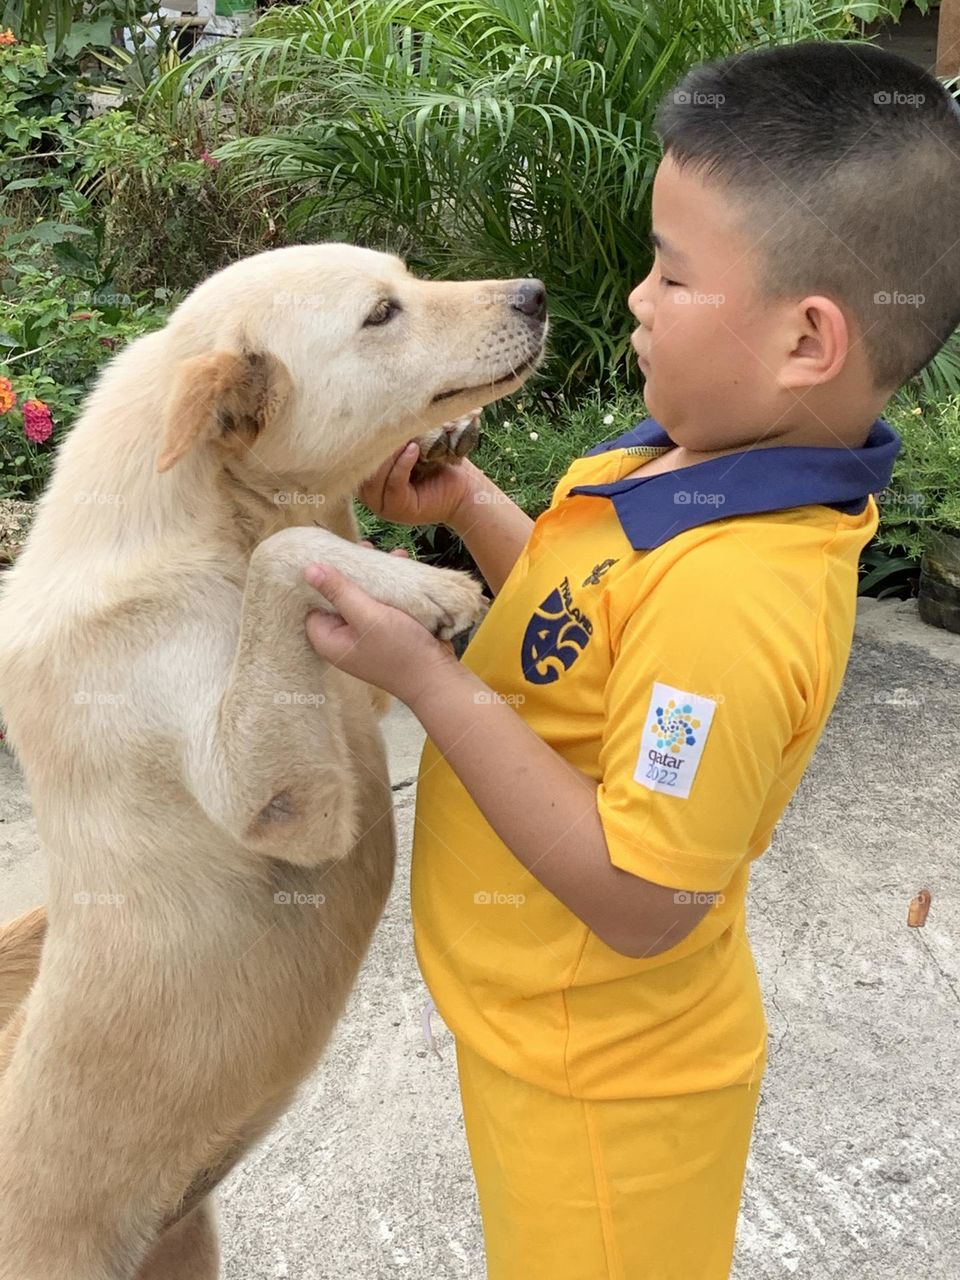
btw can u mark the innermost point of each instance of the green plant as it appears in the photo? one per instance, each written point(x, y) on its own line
point(924, 494)
point(56, 333)
point(40, 106)
point(481, 137)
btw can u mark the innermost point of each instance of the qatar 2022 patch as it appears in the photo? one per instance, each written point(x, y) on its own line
point(673, 740)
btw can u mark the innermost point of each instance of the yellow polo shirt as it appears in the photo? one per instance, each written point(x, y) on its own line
point(681, 639)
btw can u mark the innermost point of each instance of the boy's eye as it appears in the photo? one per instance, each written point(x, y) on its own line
point(664, 280)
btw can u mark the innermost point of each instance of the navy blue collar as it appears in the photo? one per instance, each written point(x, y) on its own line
point(653, 509)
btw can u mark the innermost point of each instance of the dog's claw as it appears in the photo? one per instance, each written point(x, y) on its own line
point(447, 444)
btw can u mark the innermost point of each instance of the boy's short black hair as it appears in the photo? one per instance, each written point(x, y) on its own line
point(846, 161)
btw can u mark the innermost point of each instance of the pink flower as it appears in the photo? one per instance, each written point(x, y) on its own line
point(8, 397)
point(7, 37)
point(210, 161)
point(37, 423)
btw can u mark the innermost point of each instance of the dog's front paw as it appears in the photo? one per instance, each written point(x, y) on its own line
point(447, 444)
point(452, 602)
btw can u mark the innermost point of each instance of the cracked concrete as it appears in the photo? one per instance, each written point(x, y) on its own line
point(853, 1169)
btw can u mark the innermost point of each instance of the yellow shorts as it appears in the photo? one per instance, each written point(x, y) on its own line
point(633, 1189)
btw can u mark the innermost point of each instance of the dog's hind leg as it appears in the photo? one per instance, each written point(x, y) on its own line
point(186, 1251)
point(21, 942)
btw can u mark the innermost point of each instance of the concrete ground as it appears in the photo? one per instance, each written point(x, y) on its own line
point(853, 1169)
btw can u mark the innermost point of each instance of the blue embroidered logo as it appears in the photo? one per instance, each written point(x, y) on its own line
point(555, 637)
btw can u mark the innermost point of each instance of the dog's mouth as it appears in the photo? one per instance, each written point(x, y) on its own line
point(495, 382)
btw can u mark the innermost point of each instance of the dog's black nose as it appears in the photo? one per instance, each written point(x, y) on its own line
point(530, 298)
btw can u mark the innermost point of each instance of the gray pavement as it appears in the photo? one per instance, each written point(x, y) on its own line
point(854, 1169)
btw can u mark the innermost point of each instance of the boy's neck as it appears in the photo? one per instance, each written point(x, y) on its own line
point(677, 457)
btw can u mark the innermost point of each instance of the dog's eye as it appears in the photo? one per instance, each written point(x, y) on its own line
point(385, 309)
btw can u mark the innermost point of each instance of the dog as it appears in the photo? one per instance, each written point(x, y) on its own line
point(212, 797)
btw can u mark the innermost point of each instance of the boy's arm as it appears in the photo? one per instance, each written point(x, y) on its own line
point(494, 529)
point(545, 812)
point(543, 808)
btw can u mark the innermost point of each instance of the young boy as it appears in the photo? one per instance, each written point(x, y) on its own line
point(665, 646)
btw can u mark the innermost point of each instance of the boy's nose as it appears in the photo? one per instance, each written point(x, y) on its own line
point(637, 302)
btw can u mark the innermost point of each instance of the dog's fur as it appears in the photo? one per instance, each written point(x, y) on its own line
point(212, 797)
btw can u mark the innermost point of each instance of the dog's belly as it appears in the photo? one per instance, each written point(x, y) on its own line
point(188, 1034)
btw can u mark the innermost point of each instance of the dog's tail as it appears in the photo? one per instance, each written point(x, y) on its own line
point(21, 942)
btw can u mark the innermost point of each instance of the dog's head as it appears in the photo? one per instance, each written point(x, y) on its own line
point(317, 361)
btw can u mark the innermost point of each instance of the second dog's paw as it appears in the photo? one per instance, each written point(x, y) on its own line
point(452, 603)
point(448, 443)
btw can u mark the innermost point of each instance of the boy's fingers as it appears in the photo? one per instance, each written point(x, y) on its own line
point(329, 634)
point(349, 600)
point(398, 478)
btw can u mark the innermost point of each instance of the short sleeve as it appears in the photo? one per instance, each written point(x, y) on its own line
point(712, 677)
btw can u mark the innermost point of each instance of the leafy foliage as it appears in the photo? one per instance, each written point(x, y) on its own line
point(490, 138)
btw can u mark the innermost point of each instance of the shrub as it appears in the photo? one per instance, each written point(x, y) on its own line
point(489, 138)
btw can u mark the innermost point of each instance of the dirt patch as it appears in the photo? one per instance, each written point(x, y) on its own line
point(16, 516)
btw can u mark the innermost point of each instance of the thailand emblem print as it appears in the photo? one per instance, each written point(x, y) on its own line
point(555, 636)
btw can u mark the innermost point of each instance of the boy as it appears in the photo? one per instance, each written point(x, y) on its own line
point(665, 646)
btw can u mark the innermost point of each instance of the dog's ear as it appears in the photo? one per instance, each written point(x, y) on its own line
point(223, 395)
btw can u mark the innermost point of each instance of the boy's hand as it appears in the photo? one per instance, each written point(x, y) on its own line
point(374, 642)
point(432, 499)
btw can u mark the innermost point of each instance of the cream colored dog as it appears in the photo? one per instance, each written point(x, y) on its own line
point(212, 797)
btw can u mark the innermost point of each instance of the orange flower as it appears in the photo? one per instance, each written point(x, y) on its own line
point(8, 397)
point(7, 37)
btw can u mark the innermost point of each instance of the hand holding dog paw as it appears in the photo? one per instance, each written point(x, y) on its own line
point(373, 641)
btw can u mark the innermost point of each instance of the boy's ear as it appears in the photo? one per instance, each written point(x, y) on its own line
point(222, 395)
